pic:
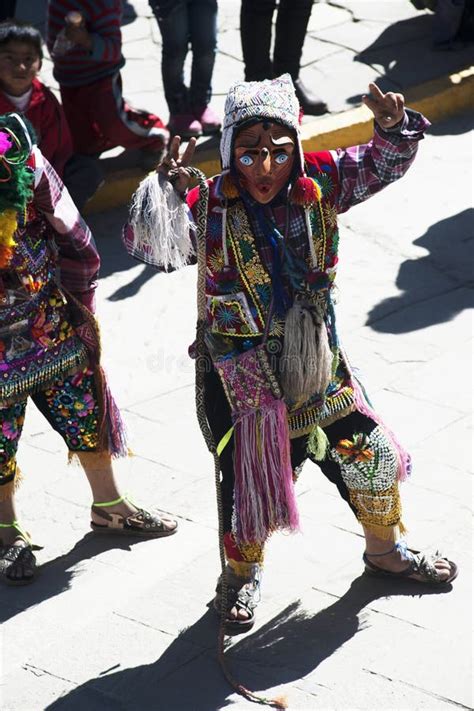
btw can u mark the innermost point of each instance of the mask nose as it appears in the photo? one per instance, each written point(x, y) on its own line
point(265, 161)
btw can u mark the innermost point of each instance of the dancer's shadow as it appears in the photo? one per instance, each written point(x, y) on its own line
point(436, 287)
point(134, 286)
point(56, 576)
point(284, 650)
point(107, 230)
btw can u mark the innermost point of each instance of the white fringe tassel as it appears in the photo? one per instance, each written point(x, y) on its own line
point(161, 223)
point(306, 358)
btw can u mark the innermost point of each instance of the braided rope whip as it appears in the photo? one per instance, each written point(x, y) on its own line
point(202, 361)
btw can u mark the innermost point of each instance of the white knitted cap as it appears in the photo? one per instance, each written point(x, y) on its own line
point(271, 99)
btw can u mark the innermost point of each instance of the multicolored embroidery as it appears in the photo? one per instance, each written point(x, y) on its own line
point(230, 315)
point(74, 410)
point(70, 406)
point(12, 419)
point(252, 289)
point(368, 462)
point(38, 343)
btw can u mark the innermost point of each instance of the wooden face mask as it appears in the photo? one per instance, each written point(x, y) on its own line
point(264, 155)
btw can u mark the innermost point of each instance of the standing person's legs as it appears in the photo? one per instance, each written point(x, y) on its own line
point(7, 10)
point(363, 463)
point(17, 562)
point(256, 37)
point(290, 32)
point(203, 34)
point(173, 20)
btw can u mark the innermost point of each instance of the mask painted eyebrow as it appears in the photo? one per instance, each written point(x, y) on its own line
point(282, 140)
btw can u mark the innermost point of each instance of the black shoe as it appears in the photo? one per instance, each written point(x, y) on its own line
point(310, 103)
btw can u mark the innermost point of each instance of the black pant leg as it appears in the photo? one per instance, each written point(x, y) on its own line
point(256, 36)
point(290, 33)
point(220, 422)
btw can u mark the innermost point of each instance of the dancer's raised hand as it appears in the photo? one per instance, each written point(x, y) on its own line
point(388, 108)
point(176, 164)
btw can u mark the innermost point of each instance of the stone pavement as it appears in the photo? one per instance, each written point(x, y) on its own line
point(349, 44)
point(122, 625)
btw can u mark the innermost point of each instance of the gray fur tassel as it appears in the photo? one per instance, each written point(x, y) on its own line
point(305, 367)
point(161, 223)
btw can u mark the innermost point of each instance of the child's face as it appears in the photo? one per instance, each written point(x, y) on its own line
point(19, 64)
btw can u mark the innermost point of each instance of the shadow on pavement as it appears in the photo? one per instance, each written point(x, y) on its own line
point(285, 649)
point(107, 230)
point(406, 57)
point(436, 287)
point(56, 576)
point(128, 13)
point(453, 126)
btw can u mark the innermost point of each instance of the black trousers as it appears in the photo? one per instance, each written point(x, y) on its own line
point(256, 36)
point(219, 418)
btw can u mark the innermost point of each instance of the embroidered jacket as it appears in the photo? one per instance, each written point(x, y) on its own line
point(53, 246)
point(240, 259)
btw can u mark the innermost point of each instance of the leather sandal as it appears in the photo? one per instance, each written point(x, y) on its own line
point(244, 595)
point(139, 523)
point(17, 556)
point(422, 564)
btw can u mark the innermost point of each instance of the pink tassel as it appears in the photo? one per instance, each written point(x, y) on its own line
point(111, 427)
point(264, 494)
point(362, 406)
point(5, 143)
point(305, 192)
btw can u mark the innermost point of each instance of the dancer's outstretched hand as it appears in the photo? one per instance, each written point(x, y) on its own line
point(388, 108)
point(173, 161)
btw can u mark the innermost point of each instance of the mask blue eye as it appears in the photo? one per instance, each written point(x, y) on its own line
point(281, 158)
point(246, 160)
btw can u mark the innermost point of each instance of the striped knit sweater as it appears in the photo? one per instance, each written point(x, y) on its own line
point(102, 20)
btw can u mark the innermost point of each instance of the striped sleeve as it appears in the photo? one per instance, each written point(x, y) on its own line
point(102, 19)
point(78, 258)
point(106, 35)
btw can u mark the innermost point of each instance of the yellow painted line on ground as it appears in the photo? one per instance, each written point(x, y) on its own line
point(437, 100)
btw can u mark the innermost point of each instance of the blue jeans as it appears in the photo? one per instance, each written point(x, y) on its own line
point(185, 23)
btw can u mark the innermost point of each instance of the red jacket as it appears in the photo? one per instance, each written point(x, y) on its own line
point(48, 119)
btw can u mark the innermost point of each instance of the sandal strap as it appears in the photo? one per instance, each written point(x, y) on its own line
point(104, 504)
point(419, 563)
point(245, 596)
point(397, 546)
point(125, 497)
point(424, 565)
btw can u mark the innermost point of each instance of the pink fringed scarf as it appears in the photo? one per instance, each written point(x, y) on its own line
point(264, 497)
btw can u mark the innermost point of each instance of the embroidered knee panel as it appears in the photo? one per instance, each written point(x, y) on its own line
point(368, 462)
point(369, 467)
